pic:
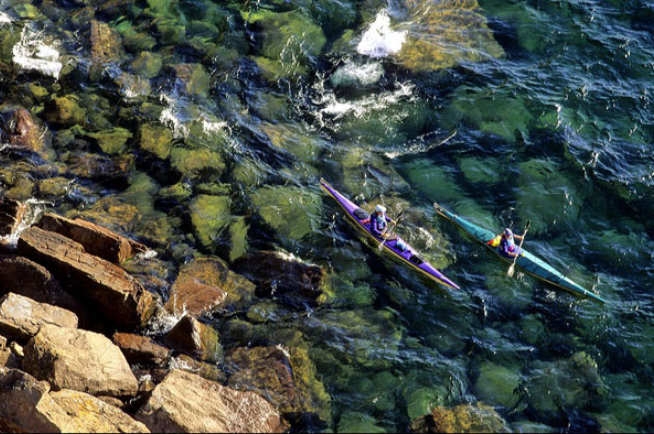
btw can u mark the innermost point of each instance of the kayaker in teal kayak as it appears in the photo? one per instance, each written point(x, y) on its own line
point(506, 243)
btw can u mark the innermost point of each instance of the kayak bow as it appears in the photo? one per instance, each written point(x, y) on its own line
point(409, 257)
point(528, 262)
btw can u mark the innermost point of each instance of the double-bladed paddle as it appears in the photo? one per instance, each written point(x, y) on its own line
point(511, 271)
point(390, 232)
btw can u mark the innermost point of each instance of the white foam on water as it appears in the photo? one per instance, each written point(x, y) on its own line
point(380, 40)
point(356, 73)
point(338, 109)
point(170, 117)
point(33, 54)
point(5, 19)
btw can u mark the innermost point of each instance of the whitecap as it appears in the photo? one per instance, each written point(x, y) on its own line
point(5, 19)
point(337, 109)
point(31, 53)
point(380, 40)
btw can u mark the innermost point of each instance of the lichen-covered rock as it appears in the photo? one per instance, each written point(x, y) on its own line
point(79, 360)
point(188, 403)
point(291, 211)
point(206, 284)
point(287, 378)
point(157, 140)
point(21, 318)
point(443, 34)
point(192, 337)
point(461, 419)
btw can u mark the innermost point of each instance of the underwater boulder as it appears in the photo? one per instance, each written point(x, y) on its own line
point(291, 211)
point(498, 385)
point(211, 216)
point(470, 418)
point(104, 43)
point(192, 78)
point(355, 422)
point(156, 139)
point(294, 139)
point(365, 172)
point(64, 112)
point(112, 142)
point(287, 378)
point(132, 86)
point(194, 162)
point(446, 33)
point(206, 284)
point(147, 64)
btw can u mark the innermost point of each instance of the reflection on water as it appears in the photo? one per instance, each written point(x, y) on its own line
point(202, 127)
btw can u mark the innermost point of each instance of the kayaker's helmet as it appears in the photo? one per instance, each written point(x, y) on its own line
point(508, 233)
point(380, 209)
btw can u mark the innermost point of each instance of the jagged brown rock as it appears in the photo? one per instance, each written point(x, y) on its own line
point(79, 360)
point(113, 292)
point(11, 213)
point(192, 337)
point(141, 350)
point(28, 405)
point(206, 284)
point(185, 402)
point(96, 240)
point(20, 130)
point(208, 371)
point(21, 318)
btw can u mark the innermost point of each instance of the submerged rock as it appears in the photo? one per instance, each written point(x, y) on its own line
point(291, 211)
point(445, 33)
point(147, 65)
point(104, 43)
point(113, 141)
point(188, 403)
point(211, 216)
point(276, 273)
point(192, 78)
point(79, 360)
point(19, 129)
point(287, 378)
point(21, 318)
point(355, 422)
point(205, 285)
point(65, 112)
point(156, 140)
point(195, 162)
point(498, 385)
point(461, 419)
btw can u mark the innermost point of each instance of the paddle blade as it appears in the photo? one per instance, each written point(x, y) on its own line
point(381, 246)
point(511, 271)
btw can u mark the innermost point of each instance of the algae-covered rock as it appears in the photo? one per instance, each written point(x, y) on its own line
point(192, 78)
point(210, 216)
point(65, 112)
point(54, 187)
point(147, 64)
point(494, 112)
point(355, 422)
point(443, 34)
point(546, 196)
point(287, 378)
point(156, 139)
point(484, 170)
point(104, 43)
point(133, 86)
point(289, 41)
point(498, 385)
point(112, 142)
point(194, 162)
point(112, 213)
point(365, 172)
point(461, 419)
point(573, 383)
point(297, 141)
point(135, 40)
point(291, 211)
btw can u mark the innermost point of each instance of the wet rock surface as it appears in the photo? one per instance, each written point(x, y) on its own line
point(461, 419)
point(196, 339)
point(142, 350)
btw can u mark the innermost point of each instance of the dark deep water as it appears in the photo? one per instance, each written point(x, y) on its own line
point(504, 111)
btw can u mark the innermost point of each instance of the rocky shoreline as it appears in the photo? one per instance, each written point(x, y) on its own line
point(75, 356)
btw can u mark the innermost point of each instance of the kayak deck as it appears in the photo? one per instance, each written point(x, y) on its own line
point(407, 256)
point(527, 261)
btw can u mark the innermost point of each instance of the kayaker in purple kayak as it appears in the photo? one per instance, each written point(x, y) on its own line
point(505, 242)
point(379, 222)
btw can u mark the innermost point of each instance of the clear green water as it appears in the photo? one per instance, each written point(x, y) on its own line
point(549, 104)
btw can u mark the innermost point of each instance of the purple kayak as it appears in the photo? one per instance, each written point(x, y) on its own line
point(407, 255)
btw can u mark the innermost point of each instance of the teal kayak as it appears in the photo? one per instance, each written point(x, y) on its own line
point(528, 262)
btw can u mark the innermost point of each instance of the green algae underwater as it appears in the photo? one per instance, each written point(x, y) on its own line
point(202, 127)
